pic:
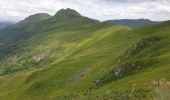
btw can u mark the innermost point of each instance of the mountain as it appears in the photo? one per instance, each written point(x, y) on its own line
point(36, 18)
point(15, 38)
point(5, 24)
point(134, 23)
point(67, 13)
point(69, 56)
point(23, 29)
point(38, 23)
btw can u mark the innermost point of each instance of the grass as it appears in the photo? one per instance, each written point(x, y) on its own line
point(162, 90)
point(80, 52)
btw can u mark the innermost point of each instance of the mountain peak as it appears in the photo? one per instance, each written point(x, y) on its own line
point(36, 17)
point(65, 13)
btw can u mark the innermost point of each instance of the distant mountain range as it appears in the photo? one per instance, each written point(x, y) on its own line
point(134, 23)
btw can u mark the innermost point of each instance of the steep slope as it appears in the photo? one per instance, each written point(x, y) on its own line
point(78, 59)
point(58, 43)
point(72, 65)
point(134, 23)
point(39, 23)
point(142, 66)
point(16, 46)
point(21, 30)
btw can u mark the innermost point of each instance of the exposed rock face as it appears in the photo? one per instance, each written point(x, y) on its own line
point(96, 82)
point(40, 56)
point(124, 67)
point(120, 69)
point(141, 45)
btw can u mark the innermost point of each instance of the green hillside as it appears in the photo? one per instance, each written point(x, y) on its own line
point(68, 56)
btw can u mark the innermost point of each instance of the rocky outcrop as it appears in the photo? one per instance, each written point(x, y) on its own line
point(96, 82)
point(123, 67)
point(141, 45)
point(129, 67)
point(40, 56)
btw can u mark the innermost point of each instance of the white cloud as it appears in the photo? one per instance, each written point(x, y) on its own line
point(97, 9)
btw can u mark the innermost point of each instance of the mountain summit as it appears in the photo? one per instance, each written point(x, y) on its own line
point(67, 13)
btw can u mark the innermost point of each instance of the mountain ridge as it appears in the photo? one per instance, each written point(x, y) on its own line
point(36, 17)
point(28, 27)
point(134, 23)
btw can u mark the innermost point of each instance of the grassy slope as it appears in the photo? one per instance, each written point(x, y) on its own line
point(83, 54)
point(77, 46)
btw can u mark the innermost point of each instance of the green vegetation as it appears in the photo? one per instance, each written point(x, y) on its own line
point(68, 56)
point(162, 89)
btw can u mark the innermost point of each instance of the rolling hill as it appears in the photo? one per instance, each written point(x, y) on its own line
point(69, 56)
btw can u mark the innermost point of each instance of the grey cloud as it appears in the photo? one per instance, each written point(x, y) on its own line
point(97, 9)
point(135, 1)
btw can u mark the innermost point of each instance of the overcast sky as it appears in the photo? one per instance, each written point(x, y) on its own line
point(14, 10)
